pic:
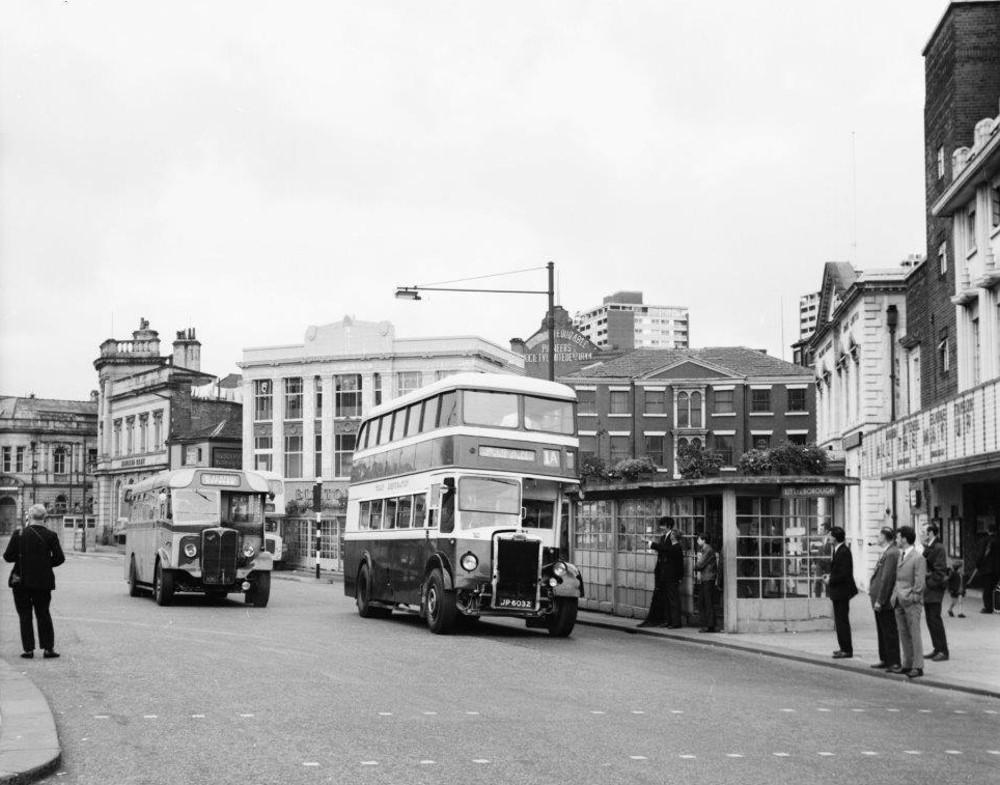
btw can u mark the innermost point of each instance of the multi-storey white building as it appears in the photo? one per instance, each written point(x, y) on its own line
point(624, 323)
point(808, 305)
point(303, 402)
point(856, 363)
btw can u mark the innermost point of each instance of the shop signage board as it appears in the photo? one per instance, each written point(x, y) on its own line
point(965, 427)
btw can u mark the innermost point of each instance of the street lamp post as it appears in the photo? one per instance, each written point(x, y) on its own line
point(413, 293)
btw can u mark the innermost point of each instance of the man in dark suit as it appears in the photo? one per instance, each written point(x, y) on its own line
point(937, 582)
point(672, 567)
point(658, 612)
point(880, 591)
point(34, 551)
point(842, 589)
point(988, 566)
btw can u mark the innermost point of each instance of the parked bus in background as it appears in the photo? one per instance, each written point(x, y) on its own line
point(274, 516)
point(197, 530)
point(459, 502)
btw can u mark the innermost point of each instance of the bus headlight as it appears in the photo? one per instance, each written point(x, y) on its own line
point(559, 569)
point(469, 562)
point(248, 550)
point(190, 550)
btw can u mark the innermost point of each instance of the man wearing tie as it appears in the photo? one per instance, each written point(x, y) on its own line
point(937, 581)
point(908, 603)
point(880, 590)
point(842, 588)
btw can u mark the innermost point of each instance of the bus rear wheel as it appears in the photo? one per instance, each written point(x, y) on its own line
point(441, 608)
point(133, 579)
point(563, 618)
point(366, 609)
point(163, 585)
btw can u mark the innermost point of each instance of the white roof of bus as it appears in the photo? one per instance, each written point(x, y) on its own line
point(180, 478)
point(481, 381)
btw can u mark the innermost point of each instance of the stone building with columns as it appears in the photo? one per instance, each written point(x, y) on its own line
point(47, 456)
point(156, 413)
point(303, 402)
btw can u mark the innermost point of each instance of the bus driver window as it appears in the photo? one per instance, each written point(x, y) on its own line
point(448, 505)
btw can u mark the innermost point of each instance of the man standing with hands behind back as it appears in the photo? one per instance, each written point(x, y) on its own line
point(880, 590)
point(842, 589)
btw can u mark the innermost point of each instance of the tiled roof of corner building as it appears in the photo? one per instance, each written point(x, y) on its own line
point(738, 360)
point(23, 407)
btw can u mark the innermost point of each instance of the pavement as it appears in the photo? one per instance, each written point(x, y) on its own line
point(29, 744)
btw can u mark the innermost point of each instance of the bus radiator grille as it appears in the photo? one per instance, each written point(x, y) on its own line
point(218, 556)
point(517, 571)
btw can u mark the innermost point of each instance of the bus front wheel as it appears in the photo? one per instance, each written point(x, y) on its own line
point(133, 579)
point(563, 618)
point(261, 592)
point(366, 609)
point(441, 608)
point(163, 585)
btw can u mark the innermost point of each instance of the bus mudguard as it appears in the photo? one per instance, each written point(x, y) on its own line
point(164, 558)
point(263, 561)
point(437, 561)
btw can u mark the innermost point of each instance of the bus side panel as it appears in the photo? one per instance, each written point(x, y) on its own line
point(414, 554)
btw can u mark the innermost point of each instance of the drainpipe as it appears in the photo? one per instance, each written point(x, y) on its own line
point(891, 321)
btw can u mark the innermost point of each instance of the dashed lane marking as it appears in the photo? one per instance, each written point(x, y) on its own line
point(993, 752)
point(734, 755)
point(472, 713)
point(385, 714)
point(310, 763)
point(598, 712)
point(825, 754)
point(822, 708)
point(638, 757)
point(859, 711)
point(952, 752)
point(924, 711)
point(246, 715)
point(426, 763)
point(961, 711)
point(893, 710)
point(868, 752)
point(369, 763)
point(782, 754)
point(688, 757)
point(197, 716)
point(790, 711)
point(149, 716)
point(480, 760)
point(912, 752)
point(637, 711)
point(429, 713)
point(101, 716)
point(676, 711)
point(991, 711)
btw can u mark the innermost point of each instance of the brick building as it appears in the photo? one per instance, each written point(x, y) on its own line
point(947, 449)
point(729, 399)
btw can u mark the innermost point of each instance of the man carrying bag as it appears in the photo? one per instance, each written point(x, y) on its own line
point(34, 551)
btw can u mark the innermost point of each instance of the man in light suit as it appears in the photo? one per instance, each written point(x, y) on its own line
point(908, 603)
point(880, 590)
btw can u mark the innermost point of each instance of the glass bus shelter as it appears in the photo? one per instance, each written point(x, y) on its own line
point(772, 533)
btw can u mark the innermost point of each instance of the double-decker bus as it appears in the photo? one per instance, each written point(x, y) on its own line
point(274, 516)
point(459, 500)
point(197, 530)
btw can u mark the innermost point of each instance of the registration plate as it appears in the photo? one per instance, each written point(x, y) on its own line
point(510, 602)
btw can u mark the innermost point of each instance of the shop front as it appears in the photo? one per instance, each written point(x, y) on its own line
point(772, 534)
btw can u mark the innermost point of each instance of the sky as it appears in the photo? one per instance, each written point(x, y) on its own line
point(251, 168)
